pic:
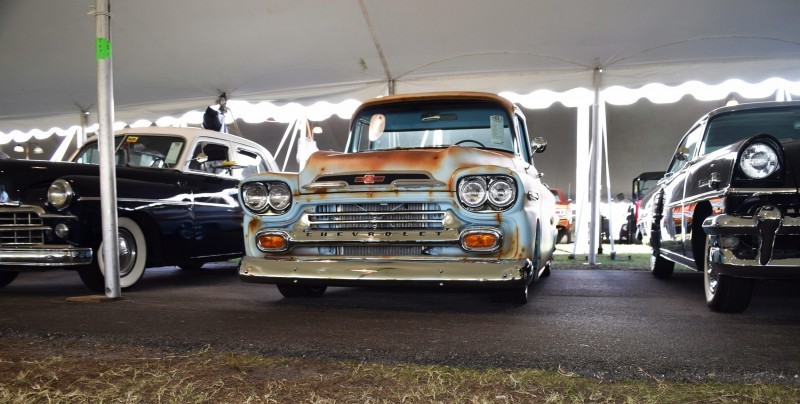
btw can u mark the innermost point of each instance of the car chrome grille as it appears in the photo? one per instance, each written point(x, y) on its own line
point(377, 216)
point(21, 227)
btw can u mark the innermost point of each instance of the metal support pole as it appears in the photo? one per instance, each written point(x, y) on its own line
point(594, 172)
point(108, 174)
point(81, 138)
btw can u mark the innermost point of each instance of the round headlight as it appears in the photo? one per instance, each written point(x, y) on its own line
point(502, 192)
point(255, 196)
point(758, 161)
point(60, 194)
point(280, 197)
point(472, 192)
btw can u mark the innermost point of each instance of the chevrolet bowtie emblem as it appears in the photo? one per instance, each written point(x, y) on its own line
point(370, 179)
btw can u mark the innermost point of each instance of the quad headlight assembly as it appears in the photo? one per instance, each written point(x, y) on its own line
point(264, 197)
point(487, 192)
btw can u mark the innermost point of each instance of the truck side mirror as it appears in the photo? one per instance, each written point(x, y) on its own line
point(538, 145)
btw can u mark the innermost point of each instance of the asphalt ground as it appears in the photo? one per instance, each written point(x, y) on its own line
point(608, 324)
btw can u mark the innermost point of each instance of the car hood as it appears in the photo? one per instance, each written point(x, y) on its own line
point(17, 176)
point(417, 164)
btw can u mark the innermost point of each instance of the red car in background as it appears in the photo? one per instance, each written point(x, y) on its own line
point(639, 188)
point(566, 216)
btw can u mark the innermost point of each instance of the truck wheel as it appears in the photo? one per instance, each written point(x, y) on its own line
point(132, 258)
point(724, 293)
point(7, 277)
point(660, 267)
point(295, 291)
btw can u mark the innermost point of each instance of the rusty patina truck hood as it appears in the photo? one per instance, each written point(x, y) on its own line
point(380, 168)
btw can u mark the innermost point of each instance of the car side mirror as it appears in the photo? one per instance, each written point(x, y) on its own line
point(538, 145)
point(201, 158)
point(682, 154)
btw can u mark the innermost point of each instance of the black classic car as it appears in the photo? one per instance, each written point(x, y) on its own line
point(176, 197)
point(728, 204)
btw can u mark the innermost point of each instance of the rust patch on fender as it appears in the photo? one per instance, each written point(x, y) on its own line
point(253, 225)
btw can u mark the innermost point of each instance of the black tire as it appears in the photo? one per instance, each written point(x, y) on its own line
point(517, 296)
point(545, 272)
point(297, 291)
point(7, 277)
point(191, 267)
point(724, 294)
point(132, 259)
point(660, 267)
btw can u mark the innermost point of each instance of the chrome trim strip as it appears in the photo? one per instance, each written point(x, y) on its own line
point(326, 185)
point(761, 190)
point(418, 184)
point(22, 208)
point(728, 224)
point(51, 256)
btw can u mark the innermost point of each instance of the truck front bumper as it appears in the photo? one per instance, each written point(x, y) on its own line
point(472, 273)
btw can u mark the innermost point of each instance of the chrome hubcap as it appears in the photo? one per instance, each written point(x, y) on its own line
point(127, 252)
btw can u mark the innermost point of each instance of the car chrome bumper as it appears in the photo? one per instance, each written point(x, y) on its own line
point(489, 274)
point(39, 256)
point(766, 225)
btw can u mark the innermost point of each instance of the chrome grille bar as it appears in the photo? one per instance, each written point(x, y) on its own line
point(21, 227)
point(377, 216)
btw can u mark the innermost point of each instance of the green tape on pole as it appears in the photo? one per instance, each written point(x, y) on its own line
point(103, 49)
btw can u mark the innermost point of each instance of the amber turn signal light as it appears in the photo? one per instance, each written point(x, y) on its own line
point(272, 242)
point(480, 241)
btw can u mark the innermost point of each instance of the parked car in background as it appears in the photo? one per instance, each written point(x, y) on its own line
point(176, 199)
point(433, 189)
point(640, 185)
point(566, 217)
point(728, 204)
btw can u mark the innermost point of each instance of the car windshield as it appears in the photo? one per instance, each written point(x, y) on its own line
point(644, 186)
point(782, 123)
point(137, 151)
point(430, 125)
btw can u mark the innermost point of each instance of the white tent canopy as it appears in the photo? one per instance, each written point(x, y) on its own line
point(178, 56)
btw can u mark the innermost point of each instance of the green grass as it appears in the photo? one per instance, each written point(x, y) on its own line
point(36, 371)
point(626, 257)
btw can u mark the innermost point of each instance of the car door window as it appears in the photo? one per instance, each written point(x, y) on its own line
point(687, 148)
point(249, 162)
point(216, 159)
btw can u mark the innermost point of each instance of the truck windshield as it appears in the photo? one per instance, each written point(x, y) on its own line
point(429, 125)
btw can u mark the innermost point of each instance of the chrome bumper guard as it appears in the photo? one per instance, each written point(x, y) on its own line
point(484, 273)
point(50, 256)
point(766, 224)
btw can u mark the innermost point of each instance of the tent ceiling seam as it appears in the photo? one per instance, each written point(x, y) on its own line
point(375, 41)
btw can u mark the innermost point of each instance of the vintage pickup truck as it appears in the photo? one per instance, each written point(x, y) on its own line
point(434, 189)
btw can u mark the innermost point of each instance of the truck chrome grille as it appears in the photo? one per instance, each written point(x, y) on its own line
point(377, 216)
point(372, 251)
point(20, 227)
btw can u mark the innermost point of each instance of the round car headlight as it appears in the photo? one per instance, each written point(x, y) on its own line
point(280, 197)
point(60, 194)
point(502, 192)
point(472, 192)
point(758, 161)
point(255, 196)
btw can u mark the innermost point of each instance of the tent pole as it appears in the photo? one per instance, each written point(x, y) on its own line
point(594, 172)
point(604, 132)
point(105, 117)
